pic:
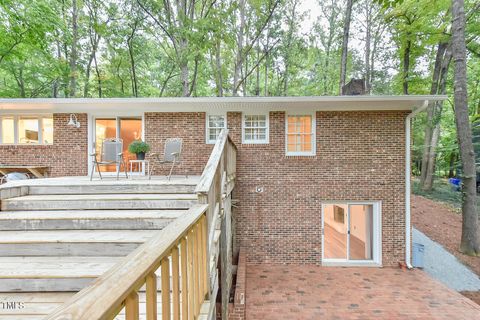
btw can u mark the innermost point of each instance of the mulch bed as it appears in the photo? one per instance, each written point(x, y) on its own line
point(443, 224)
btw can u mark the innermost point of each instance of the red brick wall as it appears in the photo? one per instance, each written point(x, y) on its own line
point(360, 156)
point(190, 126)
point(66, 157)
point(237, 308)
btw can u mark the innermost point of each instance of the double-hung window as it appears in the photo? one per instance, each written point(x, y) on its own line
point(300, 135)
point(26, 129)
point(215, 125)
point(255, 128)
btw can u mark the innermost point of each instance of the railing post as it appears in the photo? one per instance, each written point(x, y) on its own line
point(151, 296)
point(191, 293)
point(175, 284)
point(165, 274)
point(131, 307)
point(183, 267)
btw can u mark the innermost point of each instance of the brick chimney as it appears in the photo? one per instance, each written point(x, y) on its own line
point(354, 88)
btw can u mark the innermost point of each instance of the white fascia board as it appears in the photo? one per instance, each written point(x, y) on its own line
point(214, 104)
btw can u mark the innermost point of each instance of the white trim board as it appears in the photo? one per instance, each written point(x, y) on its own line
point(125, 106)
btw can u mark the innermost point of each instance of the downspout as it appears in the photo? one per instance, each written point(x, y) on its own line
point(408, 173)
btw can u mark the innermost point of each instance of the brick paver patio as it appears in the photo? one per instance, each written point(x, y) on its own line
point(313, 292)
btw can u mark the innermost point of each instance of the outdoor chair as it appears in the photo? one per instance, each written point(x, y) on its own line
point(111, 153)
point(171, 155)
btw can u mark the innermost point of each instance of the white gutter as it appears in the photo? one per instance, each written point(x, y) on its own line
point(408, 174)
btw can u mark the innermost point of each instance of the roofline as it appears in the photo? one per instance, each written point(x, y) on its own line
point(229, 99)
point(198, 104)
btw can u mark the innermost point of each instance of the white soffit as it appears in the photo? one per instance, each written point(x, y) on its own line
point(212, 104)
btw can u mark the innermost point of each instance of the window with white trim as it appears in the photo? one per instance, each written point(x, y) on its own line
point(300, 135)
point(215, 125)
point(255, 128)
point(26, 129)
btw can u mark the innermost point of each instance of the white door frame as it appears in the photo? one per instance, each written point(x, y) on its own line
point(377, 235)
point(91, 134)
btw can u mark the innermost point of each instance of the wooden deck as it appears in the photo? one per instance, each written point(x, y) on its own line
point(137, 247)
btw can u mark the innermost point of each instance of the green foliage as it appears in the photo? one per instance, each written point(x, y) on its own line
point(138, 146)
point(145, 45)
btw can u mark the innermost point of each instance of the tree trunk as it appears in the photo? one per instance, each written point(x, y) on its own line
point(257, 83)
point(218, 62)
point(73, 54)
point(291, 30)
point(368, 38)
point(239, 58)
point(99, 78)
point(406, 65)
point(430, 111)
point(346, 32)
point(470, 242)
point(451, 170)
point(436, 117)
point(132, 61)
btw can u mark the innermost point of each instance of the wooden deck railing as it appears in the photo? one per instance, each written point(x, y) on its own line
point(179, 250)
point(215, 189)
point(186, 252)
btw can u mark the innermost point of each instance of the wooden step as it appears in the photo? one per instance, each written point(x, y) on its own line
point(32, 274)
point(109, 188)
point(72, 242)
point(49, 274)
point(88, 219)
point(99, 202)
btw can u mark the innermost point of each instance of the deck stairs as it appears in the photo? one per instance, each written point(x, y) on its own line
point(58, 237)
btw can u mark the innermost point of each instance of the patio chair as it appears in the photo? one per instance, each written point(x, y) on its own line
point(112, 153)
point(171, 155)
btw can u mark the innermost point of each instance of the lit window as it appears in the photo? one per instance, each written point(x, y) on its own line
point(26, 130)
point(8, 130)
point(255, 129)
point(215, 125)
point(300, 138)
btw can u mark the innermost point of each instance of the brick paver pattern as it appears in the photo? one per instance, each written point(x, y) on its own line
point(313, 292)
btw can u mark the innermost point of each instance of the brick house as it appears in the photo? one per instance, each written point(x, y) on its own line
point(322, 180)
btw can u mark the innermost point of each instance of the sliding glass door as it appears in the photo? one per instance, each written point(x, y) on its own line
point(350, 232)
point(127, 129)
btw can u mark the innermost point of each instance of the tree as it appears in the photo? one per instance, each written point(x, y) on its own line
point(73, 53)
point(346, 32)
point(470, 242)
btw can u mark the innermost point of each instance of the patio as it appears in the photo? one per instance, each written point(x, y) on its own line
point(314, 292)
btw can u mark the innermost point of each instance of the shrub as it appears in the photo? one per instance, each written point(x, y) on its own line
point(138, 146)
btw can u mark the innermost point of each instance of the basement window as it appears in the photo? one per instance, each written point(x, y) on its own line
point(300, 135)
point(215, 125)
point(255, 129)
point(26, 129)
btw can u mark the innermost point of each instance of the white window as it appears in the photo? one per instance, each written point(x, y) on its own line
point(26, 129)
point(300, 135)
point(215, 125)
point(255, 129)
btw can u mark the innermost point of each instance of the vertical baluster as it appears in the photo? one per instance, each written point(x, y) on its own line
point(201, 276)
point(183, 270)
point(165, 272)
point(196, 269)
point(131, 307)
point(191, 293)
point(175, 285)
point(204, 255)
point(151, 293)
